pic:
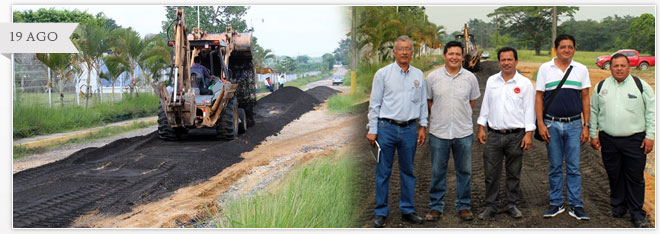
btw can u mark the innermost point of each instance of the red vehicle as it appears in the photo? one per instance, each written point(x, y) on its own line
point(641, 62)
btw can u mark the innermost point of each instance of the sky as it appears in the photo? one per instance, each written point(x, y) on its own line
point(286, 30)
point(314, 30)
point(454, 17)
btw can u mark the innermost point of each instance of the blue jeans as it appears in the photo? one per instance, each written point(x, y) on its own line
point(462, 151)
point(564, 146)
point(402, 139)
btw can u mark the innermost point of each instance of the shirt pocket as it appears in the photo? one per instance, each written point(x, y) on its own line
point(634, 105)
point(515, 98)
point(416, 94)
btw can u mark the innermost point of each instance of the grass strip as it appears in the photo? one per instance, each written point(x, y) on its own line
point(347, 103)
point(33, 119)
point(20, 151)
point(320, 194)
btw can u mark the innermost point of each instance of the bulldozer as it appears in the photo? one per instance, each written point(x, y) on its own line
point(471, 54)
point(222, 99)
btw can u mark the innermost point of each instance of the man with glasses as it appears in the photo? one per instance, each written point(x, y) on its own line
point(396, 107)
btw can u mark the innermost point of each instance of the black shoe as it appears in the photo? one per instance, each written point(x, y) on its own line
point(514, 212)
point(553, 211)
point(488, 213)
point(379, 222)
point(578, 213)
point(640, 223)
point(614, 213)
point(412, 218)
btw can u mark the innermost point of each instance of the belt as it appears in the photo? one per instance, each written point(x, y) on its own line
point(506, 131)
point(563, 119)
point(399, 123)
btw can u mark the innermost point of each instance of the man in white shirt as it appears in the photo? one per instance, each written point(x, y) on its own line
point(280, 81)
point(507, 112)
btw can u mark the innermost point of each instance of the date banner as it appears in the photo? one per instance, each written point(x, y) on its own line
point(37, 38)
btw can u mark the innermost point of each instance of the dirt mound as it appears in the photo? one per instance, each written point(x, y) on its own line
point(287, 95)
point(322, 92)
point(113, 178)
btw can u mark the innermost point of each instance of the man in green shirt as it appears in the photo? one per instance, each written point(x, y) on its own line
point(623, 128)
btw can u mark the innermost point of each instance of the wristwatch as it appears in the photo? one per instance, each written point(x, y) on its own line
point(587, 124)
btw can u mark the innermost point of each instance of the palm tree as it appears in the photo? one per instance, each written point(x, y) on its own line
point(260, 55)
point(91, 44)
point(116, 65)
point(63, 66)
point(128, 43)
point(155, 58)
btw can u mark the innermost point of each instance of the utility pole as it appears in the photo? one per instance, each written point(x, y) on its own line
point(197, 16)
point(553, 53)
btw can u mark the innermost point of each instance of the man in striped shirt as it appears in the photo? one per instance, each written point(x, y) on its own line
point(561, 124)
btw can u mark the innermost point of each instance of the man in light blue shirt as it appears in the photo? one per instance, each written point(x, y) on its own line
point(397, 105)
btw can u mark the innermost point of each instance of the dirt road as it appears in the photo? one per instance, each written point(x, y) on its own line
point(112, 179)
point(534, 186)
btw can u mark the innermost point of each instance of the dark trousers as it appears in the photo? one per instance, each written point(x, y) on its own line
point(501, 147)
point(624, 162)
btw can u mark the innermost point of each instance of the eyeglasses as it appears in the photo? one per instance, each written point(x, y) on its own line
point(403, 49)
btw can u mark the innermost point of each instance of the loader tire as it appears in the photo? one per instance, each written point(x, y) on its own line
point(242, 72)
point(166, 132)
point(242, 125)
point(227, 125)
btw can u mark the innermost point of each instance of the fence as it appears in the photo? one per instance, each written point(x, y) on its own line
point(32, 79)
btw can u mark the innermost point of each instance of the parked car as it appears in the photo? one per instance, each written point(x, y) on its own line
point(641, 62)
point(485, 55)
point(337, 80)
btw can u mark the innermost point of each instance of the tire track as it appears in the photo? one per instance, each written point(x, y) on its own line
point(132, 171)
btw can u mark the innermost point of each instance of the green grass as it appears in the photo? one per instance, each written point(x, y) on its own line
point(32, 119)
point(27, 98)
point(346, 103)
point(320, 194)
point(587, 58)
point(365, 73)
point(20, 151)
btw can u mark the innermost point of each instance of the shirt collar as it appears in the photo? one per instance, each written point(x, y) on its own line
point(514, 79)
point(552, 62)
point(396, 65)
point(629, 77)
point(444, 69)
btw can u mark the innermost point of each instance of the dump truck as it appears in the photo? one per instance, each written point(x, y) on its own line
point(223, 99)
point(471, 54)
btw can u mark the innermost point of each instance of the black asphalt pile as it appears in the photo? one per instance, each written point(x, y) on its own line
point(131, 171)
point(322, 92)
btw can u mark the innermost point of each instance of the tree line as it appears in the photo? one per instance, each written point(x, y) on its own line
point(101, 43)
point(530, 27)
point(379, 26)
